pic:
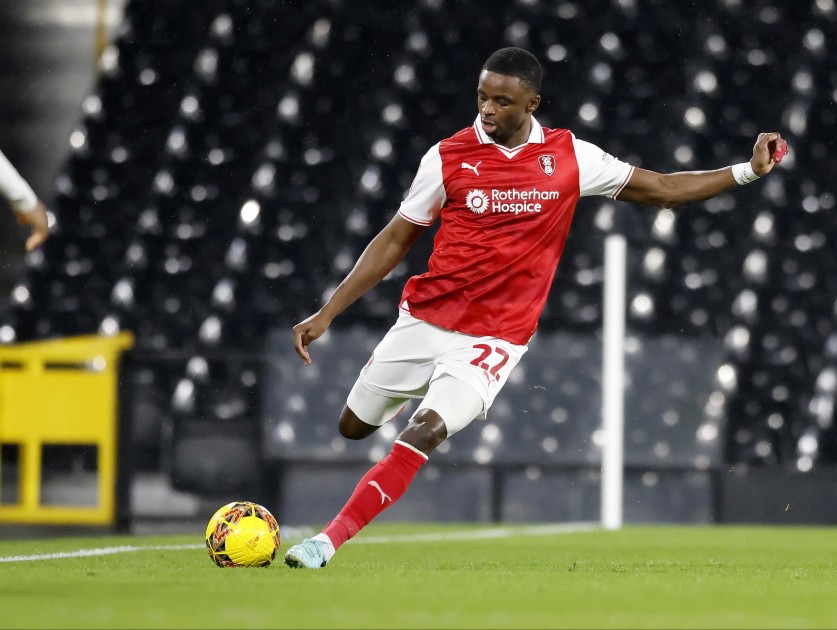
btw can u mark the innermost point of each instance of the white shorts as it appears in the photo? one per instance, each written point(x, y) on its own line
point(414, 354)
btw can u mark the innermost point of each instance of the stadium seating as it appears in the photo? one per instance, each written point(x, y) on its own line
point(235, 158)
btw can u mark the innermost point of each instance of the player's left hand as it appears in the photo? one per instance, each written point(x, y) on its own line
point(307, 331)
point(768, 151)
point(38, 220)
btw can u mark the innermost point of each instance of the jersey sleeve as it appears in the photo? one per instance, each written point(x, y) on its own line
point(14, 188)
point(427, 194)
point(599, 173)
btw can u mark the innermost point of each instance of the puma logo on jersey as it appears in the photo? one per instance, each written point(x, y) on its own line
point(384, 495)
point(473, 168)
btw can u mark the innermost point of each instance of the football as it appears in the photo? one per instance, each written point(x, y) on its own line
point(242, 534)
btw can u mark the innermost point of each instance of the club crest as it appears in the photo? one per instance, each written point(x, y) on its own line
point(547, 163)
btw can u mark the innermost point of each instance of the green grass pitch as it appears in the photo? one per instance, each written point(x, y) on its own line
point(426, 576)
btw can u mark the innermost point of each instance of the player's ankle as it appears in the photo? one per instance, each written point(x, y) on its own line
point(328, 546)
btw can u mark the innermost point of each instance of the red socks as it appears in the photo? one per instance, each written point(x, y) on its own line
point(383, 485)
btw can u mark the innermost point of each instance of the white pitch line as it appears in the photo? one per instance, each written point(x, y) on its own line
point(103, 551)
point(477, 534)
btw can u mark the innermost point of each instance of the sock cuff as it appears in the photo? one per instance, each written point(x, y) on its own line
point(410, 447)
point(409, 452)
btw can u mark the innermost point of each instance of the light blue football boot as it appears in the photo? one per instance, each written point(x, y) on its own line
point(309, 554)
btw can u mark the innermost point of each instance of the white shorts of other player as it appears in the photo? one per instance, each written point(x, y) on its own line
point(457, 375)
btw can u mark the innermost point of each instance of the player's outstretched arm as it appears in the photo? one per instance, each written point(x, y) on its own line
point(29, 209)
point(676, 189)
point(380, 257)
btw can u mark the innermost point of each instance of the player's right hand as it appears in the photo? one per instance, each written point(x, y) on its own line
point(307, 331)
point(768, 151)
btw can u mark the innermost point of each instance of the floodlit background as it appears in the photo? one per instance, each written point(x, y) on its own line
point(214, 169)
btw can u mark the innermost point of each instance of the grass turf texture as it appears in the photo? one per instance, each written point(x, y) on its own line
point(640, 577)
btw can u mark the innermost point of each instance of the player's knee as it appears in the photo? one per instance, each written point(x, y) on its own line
point(425, 432)
point(353, 428)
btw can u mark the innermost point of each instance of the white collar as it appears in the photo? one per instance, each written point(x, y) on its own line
point(535, 135)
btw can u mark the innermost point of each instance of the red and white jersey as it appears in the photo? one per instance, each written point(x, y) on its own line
point(505, 215)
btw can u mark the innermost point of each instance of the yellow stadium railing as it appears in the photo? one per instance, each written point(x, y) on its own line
point(61, 392)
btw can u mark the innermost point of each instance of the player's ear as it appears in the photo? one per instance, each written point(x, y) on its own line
point(533, 104)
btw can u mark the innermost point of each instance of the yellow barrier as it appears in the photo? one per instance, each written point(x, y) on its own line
point(61, 392)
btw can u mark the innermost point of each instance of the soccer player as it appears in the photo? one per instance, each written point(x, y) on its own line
point(27, 207)
point(505, 190)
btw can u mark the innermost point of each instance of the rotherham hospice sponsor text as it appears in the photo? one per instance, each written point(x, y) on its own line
point(510, 200)
point(513, 194)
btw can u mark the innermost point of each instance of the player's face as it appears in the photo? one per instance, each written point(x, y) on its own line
point(505, 104)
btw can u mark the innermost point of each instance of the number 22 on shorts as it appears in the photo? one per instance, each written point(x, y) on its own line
point(486, 360)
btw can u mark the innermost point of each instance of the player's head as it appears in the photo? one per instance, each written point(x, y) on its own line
point(518, 63)
point(508, 92)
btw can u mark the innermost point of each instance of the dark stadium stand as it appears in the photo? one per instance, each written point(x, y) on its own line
point(236, 156)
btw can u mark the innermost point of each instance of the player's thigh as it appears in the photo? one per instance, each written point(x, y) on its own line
point(402, 364)
point(456, 403)
point(483, 364)
point(370, 407)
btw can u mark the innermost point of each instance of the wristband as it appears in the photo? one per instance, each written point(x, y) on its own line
point(743, 173)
